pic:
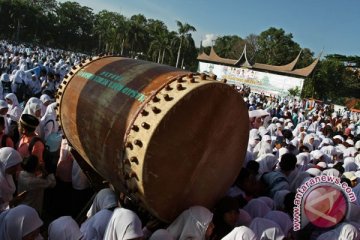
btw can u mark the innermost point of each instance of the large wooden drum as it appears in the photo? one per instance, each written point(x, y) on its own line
point(169, 138)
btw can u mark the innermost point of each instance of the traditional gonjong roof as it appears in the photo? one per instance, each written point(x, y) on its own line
point(287, 69)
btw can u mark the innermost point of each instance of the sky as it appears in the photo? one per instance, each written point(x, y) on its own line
point(329, 25)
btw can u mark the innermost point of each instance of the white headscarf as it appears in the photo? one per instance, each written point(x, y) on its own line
point(282, 219)
point(298, 180)
point(191, 224)
point(256, 208)
point(104, 199)
point(19, 221)
point(64, 228)
point(262, 148)
point(9, 157)
point(307, 143)
point(14, 111)
point(331, 172)
point(32, 105)
point(123, 225)
point(266, 229)
point(267, 163)
point(268, 201)
point(95, 227)
point(161, 234)
point(279, 198)
point(303, 160)
point(48, 123)
point(240, 233)
point(344, 231)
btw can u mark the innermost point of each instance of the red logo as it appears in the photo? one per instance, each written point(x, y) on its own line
point(325, 206)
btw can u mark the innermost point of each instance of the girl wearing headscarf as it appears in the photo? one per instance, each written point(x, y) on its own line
point(10, 160)
point(48, 123)
point(124, 225)
point(95, 226)
point(267, 163)
point(342, 231)
point(241, 233)
point(283, 220)
point(34, 107)
point(15, 110)
point(64, 228)
point(309, 141)
point(194, 223)
point(104, 199)
point(21, 222)
point(257, 208)
point(279, 199)
point(266, 229)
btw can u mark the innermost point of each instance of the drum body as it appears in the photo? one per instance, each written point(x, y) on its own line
point(170, 138)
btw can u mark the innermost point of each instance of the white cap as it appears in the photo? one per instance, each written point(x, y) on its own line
point(350, 142)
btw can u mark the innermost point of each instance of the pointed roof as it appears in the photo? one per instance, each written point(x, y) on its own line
point(307, 70)
point(243, 62)
point(282, 68)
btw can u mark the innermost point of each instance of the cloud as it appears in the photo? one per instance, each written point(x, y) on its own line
point(208, 40)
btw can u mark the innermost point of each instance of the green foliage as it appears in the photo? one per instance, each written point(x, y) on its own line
point(294, 91)
point(275, 47)
point(229, 46)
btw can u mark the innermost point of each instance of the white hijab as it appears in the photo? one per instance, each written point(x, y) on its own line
point(279, 198)
point(191, 224)
point(19, 221)
point(104, 199)
point(123, 225)
point(300, 178)
point(267, 163)
point(48, 122)
point(161, 234)
point(95, 227)
point(240, 233)
point(9, 157)
point(64, 228)
point(282, 219)
point(266, 229)
point(14, 111)
point(32, 105)
point(344, 231)
point(256, 208)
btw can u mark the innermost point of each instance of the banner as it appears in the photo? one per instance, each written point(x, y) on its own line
point(261, 82)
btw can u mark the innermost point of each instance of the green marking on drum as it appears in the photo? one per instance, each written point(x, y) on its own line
point(112, 81)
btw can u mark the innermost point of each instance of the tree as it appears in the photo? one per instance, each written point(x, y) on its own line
point(111, 30)
point(252, 46)
point(73, 36)
point(276, 47)
point(229, 46)
point(137, 35)
point(183, 31)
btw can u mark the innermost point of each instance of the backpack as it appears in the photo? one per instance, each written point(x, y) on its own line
point(53, 141)
point(50, 157)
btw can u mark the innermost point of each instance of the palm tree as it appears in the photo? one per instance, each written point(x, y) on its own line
point(183, 30)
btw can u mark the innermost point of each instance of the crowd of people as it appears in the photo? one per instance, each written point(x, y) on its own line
point(43, 190)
